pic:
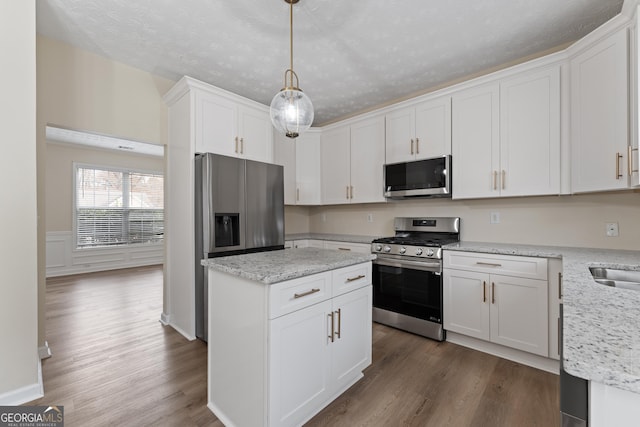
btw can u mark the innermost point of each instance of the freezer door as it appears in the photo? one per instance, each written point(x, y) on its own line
point(265, 205)
point(223, 206)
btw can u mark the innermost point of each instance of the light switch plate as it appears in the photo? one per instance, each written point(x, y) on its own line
point(495, 218)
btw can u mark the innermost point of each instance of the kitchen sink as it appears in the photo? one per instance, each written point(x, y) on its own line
point(625, 279)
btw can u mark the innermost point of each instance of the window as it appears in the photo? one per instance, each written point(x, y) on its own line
point(117, 207)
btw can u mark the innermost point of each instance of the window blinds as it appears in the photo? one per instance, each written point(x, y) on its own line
point(118, 207)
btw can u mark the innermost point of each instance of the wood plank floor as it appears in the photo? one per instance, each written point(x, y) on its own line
point(113, 363)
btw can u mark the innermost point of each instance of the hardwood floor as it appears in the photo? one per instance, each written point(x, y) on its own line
point(113, 363)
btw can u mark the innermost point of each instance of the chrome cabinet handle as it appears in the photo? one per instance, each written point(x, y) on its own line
point(493, 293)
point(344, 249)
point(351, 190)
point(236, 150)
point(495, 180)
point(488, 264)
point(339, 312)
point(484, 291)
point(304, 294)
point(358, 277)
point(504, 177)
point(411, 146)
point(417, 145)
point(241, 145)
point(618, 157)
point(333, 330)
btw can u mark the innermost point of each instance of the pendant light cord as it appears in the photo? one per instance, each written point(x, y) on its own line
point(291, 41)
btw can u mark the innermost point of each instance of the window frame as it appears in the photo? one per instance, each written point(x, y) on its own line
point(74, 207)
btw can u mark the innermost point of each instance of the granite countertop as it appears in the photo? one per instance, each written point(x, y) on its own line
point(601, 324)
point(278, 266)
point(335, 237)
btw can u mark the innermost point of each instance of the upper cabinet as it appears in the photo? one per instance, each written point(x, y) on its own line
point(352, 162)
point(599, 116)
point(300, 158)
point(419, 132)
point(231, 127)
point(506, 137)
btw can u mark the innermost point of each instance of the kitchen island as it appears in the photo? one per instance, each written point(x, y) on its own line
point(289, 331)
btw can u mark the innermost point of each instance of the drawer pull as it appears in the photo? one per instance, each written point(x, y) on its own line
point(484, 291)
point(304, 294)
point(339, 312)
point(493, 293)
point(358, 277)
point(344, 249)
point(488, 264)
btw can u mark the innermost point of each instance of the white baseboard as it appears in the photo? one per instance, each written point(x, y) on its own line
point(24, 394)
point(529, 359)
point(44, 351)
point(181, 332)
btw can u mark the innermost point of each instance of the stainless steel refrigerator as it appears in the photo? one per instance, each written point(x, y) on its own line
point(239, 208)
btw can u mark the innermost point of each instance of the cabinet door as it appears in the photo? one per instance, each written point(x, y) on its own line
point(335, 161)
point(308, 169)
point(351, 348)
point(599, 109)
point(519, 313)
point(466, 303)
point(215, 124)
point(367, 161)
point(475, 142)
point(255, 133)
point(433, 128)
point(530, 134)
point(284, 151)
point(299, 364)
point(400, 135)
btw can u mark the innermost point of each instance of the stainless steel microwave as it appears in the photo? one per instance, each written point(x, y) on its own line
point(419, 178)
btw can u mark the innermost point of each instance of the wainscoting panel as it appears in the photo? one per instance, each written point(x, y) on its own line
point(63, 260)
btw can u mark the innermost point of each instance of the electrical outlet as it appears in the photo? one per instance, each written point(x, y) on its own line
point(495, 218)
point(612, 229)
point(370, 217)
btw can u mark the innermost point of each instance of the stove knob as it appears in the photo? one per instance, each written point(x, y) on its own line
point(429, 252)
point(402, 250)
point(419, 251)
point(387, 249)
point(378, 248)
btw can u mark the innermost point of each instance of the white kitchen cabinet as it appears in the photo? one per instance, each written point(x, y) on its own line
point(348, 247)
point(483, 302)
point(284, 351)
point(475, 146)
point(308, 168)
point(284, 154)
point(352, 163)
point(506, 137)
point(555, 299)
point(230, 127)
point(599, 116)
point(336, 165)
point(419, 132)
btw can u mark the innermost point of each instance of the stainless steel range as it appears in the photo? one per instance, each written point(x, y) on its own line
point(407, 274)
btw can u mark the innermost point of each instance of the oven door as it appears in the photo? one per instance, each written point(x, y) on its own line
point(412, 288)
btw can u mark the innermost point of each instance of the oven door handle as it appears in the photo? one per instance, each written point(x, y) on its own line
point(433, 267)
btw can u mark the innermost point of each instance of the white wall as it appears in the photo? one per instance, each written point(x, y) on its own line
point(577, 220)
point(19, 362)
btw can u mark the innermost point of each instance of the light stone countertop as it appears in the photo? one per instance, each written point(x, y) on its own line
point(278, 266)
point(601, 324)
point(334, 237)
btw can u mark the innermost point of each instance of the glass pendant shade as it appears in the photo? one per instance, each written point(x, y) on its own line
point(291, 112)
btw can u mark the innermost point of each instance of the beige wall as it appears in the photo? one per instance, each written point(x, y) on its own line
point(18, 215)
point(59, 177)
point(84, 91)
point(557, 221)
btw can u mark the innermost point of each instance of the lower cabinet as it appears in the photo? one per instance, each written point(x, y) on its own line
point(280, 353)
point(317, 353)
point(504, 309)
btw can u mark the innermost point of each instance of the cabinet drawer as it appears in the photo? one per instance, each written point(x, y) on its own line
point(349, 278)
point(348, 247)
point(295, 294)
point(507, 265)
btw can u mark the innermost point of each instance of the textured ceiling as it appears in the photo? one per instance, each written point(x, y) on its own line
point(350, 55)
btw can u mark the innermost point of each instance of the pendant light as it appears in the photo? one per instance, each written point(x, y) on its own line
point(291, 109)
